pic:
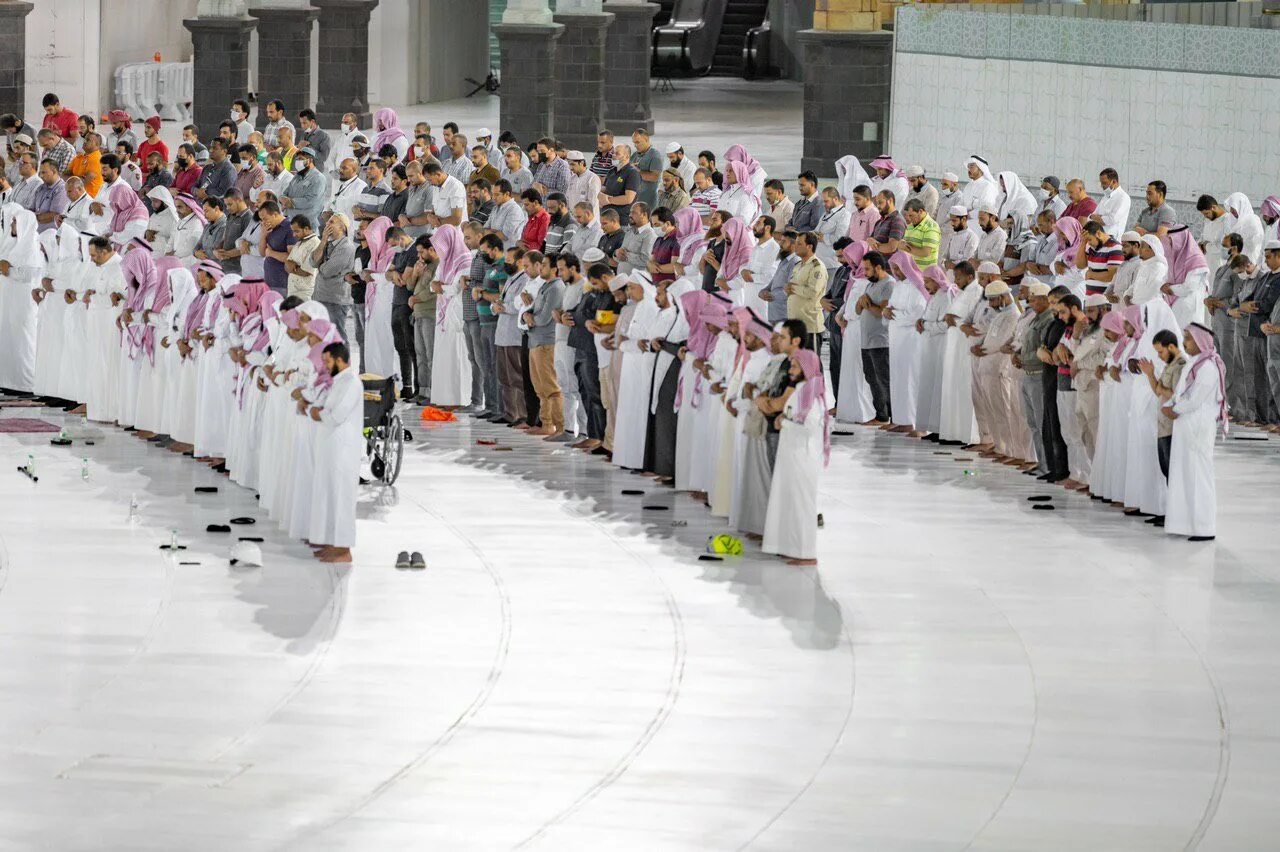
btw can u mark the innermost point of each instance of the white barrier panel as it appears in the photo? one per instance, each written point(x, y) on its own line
point(144, 89)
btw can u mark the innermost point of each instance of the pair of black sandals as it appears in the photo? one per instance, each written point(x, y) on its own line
point(407, 561)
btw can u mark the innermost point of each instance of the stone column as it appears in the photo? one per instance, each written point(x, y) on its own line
point(527, 40)
point(344, 60)
point(628, 47)
point(13, 55)
point(579, 94)
point(284, 57)
point(220, 61)
point(848, 65)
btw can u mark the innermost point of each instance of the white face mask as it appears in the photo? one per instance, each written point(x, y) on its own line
point(418, 150)
point(346, 127)
point(300, 166)
point(244, 165)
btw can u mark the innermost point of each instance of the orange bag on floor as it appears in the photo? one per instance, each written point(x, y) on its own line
point(431, 414)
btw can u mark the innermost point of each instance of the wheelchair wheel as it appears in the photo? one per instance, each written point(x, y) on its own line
point(392, 450)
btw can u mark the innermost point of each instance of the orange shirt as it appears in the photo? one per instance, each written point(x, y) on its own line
point(88, 167)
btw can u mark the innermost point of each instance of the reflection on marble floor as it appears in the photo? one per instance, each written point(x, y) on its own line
point(959, 672)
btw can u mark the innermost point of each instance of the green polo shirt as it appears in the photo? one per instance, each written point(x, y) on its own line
point(925, 235)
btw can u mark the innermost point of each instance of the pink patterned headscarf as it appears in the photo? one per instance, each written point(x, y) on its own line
point(910, 271)
point(853, 254)
point(1133, 316)
point(813, 392)
point(1271, 207)
point(688, 223)
point(884, 161)
point(126, 207)
point(1183, 253)
point(1208, 346)
point(1069, 230)
point(742, 177)
point(737, 254)
point(936, 274)
point(455, 257)
point(381, 253)
point(387, 123)
point(737, 153)
point(1113, 321)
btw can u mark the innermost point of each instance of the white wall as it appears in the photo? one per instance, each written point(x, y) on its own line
point(1038, 118)
point(74, 46)
point(59, 56)
point(393, 52)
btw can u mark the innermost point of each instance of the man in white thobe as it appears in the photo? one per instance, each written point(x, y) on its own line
point(981, 189)
point(339, 448)
point(1113, 206)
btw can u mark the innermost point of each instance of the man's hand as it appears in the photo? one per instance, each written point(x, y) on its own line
point(920, 326)
point(1148, 369)
point(766, 296)
point(1250, 308)
point(977, 350)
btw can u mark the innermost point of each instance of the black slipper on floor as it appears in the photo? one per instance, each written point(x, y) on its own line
point(218, 528)
point(1201, 538)
point(61, 442)
point(206, 489)
point(188, 563)
point(841, 434)
point(259, 539)
point(655, 508)
point(1248, 438)
point(171, 547)
point(244, 521)
point(941, 453)
point(486, 443)
point(632, 492)
point(502, 449)
point(1043, 507)
point(679, 523)
point(1039, 498)
point(402, 560)
point(707, 557)
point(416, 562)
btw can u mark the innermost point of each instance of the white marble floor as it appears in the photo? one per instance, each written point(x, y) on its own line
point(960, 672)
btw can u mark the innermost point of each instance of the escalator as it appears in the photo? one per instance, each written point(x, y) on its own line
point(726, 38)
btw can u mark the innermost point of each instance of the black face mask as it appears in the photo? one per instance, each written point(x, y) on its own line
point(335, 370)
point(183, 162)
point(510, 267)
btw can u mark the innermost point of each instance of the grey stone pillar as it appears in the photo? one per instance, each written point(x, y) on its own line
point(579, 99)
point(284, 57)
point(221, 67)
point(527, 97)
point(627, 51)
point(846, 96)
point(344, 60)
point(13, 56)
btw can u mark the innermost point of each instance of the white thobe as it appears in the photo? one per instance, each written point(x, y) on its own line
point(104, 339)
point(1212, 236)
point(975, 194)
point(634, 386)
point(904, 351)
point(450, 367)
point(958, 245)
point(958, 422)
point(380, 357)
point(338, 451)
point(791, 522)
point(833, 225)
point(933, 350)
point(742, 204)
point(764, 262)
point(897, 185)
point(854, 403)
point(1192, 504)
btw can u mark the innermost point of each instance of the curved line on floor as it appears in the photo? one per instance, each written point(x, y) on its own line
point(468, 713)
point(679, 652)
point(337, 606)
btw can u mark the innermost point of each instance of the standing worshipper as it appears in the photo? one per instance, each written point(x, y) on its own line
point(1089, 354)
point(22, 266)
point(450, 368)
point(959, 241)
point(387, 125)
point(993, 375)
point(932, 328)
point(1188, 276)
point(889, 178)
point(805, 288)
point(339, 449)
point(1197, 409)
point(906, 306)
point(790, 528)
point(129, 215)
point(833, 225)
point(981, 190)
point(379, 350)
point(739, 198)
point(670, 329)
point(875, 334)
point(922, 190)
point(1113, 209)
point(853, 401)
point(636, 380)
point(1026, 357)
point(755, 173)
point(1014, 197)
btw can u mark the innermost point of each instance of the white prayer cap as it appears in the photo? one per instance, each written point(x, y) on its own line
point(484, 132)
point(25, 139)
point(1131, 237)
point(1095, 300)
point(914, 171)
point(246, 554)
point(958, 210)
point(592, 255)
point(620, 281)
point(988, 268)
point(1036, 288)
point(951, 176)
point(575, 155)
point(672, 147)
point(987, 207)
point(996, 288)
point(1271, 245)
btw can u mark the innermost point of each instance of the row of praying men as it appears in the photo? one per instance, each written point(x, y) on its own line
point(257, 385)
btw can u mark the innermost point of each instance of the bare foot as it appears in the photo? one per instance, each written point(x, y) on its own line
point(1069, 484)
point(876, 423)
point(337, 554)
point(900, 429)
point(919, 434)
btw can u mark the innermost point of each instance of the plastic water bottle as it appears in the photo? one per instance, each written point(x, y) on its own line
point(969, 473)
point(31, 464)
point(133, 508)
point(173, 539)
point(84, 469)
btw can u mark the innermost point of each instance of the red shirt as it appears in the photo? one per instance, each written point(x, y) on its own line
point(185, 180)
point(535, 231)
point(1081, 210)
point(145, 147)
point(63, 123)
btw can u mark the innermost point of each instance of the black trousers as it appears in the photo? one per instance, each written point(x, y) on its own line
point(1055, 448)
point(532, 404)
point(875, 366)
point(402, 336)
point(587, 369)
point(1164, 446)
point(835, 346)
